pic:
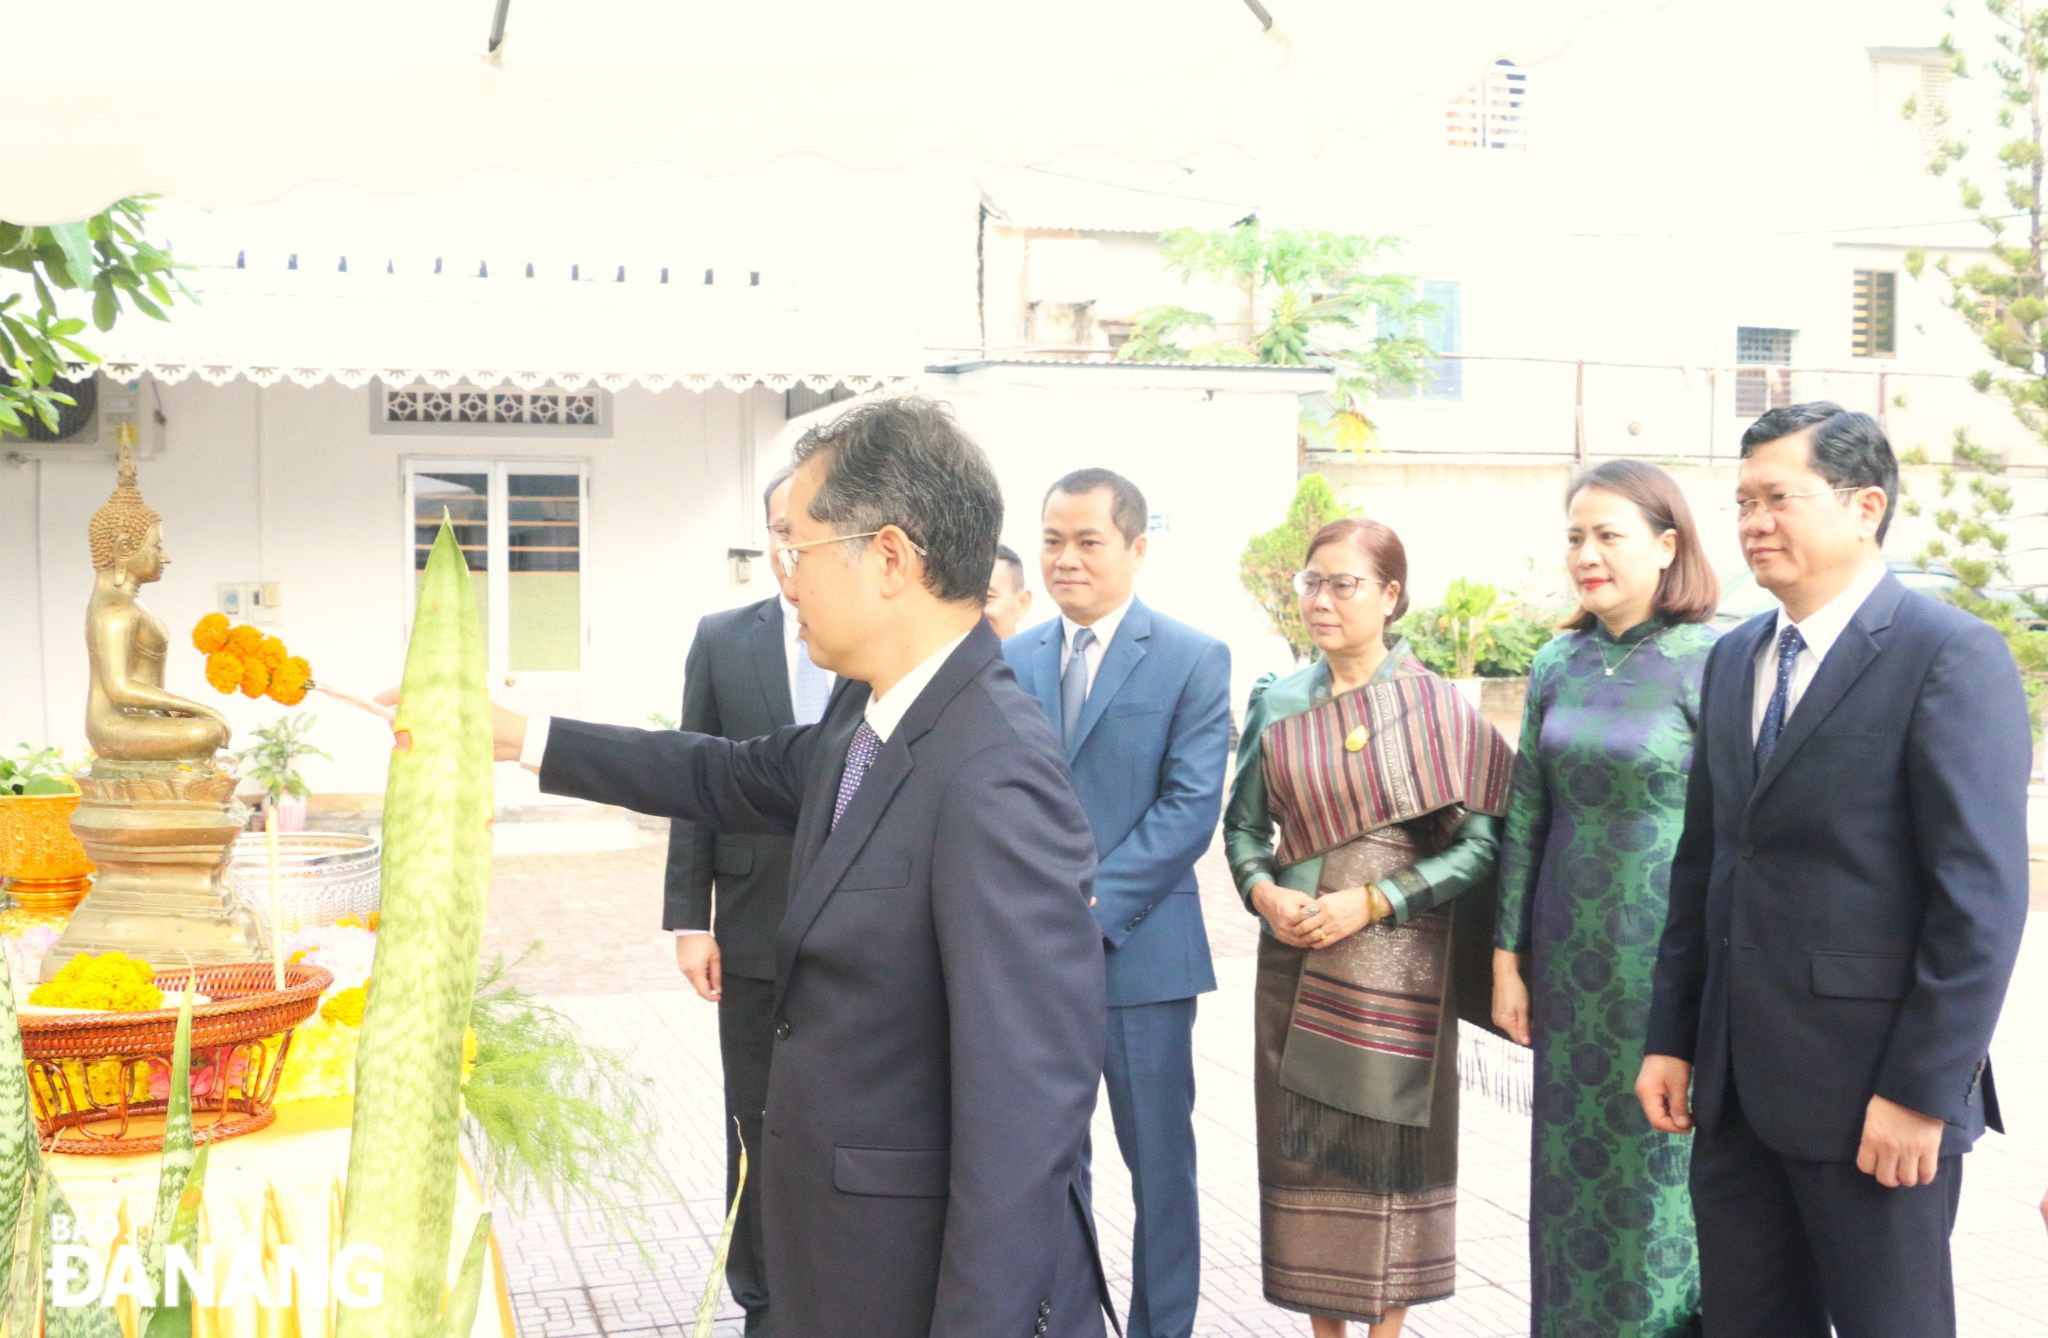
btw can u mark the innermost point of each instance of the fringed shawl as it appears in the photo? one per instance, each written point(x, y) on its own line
point(1360, 1060)
point(1420, 747)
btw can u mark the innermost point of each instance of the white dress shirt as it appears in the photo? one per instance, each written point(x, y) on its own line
point(884, 714)
point(793, 646)
point(1820, 630)
point(1105, 632)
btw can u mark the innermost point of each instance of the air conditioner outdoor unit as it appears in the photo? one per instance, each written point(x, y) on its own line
point(92, 428)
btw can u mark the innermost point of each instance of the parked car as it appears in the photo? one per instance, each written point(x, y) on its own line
point(1742, 598)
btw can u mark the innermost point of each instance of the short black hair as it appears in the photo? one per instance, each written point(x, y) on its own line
point(906, 462)
point(775, 480)
point(1127, 504)
point(1006, 556)
point(1847, 449)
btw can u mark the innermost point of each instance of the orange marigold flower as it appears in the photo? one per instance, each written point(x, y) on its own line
point(245, 641)
point(255, 678)
point(211, 633)
point(224, 671)
point(375, 916)
point(271, 652)
point(289, 680)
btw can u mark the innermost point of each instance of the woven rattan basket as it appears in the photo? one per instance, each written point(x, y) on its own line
point(245, 1011)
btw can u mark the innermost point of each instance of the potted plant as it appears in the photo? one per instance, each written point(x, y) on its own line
point(271, 762)
point(1472, 610)
point(45, 867)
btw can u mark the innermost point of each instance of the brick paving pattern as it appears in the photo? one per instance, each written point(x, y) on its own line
point(604, 961)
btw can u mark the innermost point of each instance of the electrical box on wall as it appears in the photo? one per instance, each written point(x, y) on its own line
point(252, 601)
point(740, 564)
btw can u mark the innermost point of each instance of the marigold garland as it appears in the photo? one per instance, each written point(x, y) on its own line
point(211, 633)
point(255, 678)
point(224, 671)
point(245, 641)
point(243, 659)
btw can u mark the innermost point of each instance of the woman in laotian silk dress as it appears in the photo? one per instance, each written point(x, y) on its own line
point(1386, 787)
point(1599, 800)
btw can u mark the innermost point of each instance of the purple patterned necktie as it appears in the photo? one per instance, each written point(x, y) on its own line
point(860, 755)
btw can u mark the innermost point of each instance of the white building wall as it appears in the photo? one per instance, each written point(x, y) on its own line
point(290, 485)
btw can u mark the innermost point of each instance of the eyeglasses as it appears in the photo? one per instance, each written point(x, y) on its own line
point(1309, 584)
point(786, 555)
point(1776, 502)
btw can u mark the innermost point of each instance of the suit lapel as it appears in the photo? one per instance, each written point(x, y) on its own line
point(1045, 672)
point(814, 822)
point(1126, 648)
point(826, 852)
point(1729, 736)
point(771, 663)
point(1846, 660)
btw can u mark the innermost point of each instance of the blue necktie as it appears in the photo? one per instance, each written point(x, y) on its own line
point(813, 686)
point(1790, 643)
point(860, 755)
point(1074, 683)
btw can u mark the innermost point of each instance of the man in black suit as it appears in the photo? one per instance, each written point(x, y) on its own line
point(747, 675)
point(1846, 907)
point(939, 996)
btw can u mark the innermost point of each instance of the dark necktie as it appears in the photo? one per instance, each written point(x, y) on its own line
point(860, 755)
point(1074, 683)
point(1790, 643)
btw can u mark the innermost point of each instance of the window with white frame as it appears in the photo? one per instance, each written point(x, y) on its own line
point(520, 525)
point(1493, 113)
point(1770, 385)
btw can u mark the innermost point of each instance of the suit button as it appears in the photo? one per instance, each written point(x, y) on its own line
point(1038, 1327)
point(1747, 850)
point(781, 1029)
point(1724, 942)
point(1044, 1308)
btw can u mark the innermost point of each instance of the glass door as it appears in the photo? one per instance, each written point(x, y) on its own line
point(520, 524)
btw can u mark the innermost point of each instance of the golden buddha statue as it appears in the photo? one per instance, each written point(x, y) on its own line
point(129, 716)
point(157, 812)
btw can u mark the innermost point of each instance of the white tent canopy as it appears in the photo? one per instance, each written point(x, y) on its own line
point(236, 101)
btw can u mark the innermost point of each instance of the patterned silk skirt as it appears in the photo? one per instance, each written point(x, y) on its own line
point(1356, 1216)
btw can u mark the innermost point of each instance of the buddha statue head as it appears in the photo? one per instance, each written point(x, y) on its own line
point(126, 535)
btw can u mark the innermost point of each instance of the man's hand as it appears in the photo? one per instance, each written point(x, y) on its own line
point(508, 729)
point(1283, 908)
point(697, 958)
point(1336, 916)
point(1901, 1147)
point(1510, 996)
point(1662, 1087)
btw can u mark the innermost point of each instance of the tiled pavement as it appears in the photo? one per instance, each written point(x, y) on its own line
point(604, 961)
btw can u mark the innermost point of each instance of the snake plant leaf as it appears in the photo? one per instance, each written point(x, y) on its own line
point(178, 1155)
point(89, 1319)
point(17, 1129)
point(400, 1195)
point(30, 1271)
point(707, 1308)
point(175, 1321)
point(460, 1319)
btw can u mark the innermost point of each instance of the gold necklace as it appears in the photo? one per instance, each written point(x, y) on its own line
point(1611, 668)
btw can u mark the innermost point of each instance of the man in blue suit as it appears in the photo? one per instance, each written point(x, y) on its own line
point(1846, 907)
point(1143, 705)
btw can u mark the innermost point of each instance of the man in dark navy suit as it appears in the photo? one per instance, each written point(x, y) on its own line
point(1143, 705)
point(1846, 907)
point(938, 996)
point(748, 674)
